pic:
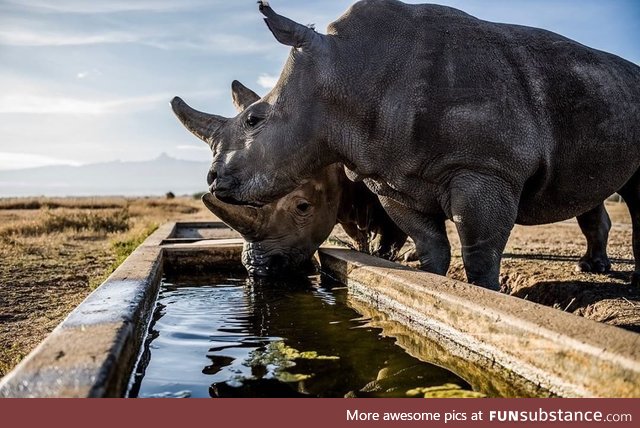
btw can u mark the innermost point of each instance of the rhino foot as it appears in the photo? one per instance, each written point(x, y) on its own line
point(411, 256)
point(594, 264)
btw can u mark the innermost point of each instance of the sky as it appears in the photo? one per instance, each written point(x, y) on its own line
point(90, 81)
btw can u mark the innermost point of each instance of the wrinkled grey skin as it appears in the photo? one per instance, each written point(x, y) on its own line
point(283, 235)
point(443, 116)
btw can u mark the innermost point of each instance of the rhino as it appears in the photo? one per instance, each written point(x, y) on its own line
point(281, 237)
point(443, 116)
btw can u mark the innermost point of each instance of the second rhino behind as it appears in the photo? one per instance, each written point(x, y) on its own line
point(283, 236)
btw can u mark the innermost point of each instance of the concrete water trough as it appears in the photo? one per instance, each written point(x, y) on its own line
point(501, 345)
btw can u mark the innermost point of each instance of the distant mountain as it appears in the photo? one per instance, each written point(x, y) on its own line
point(154, 177)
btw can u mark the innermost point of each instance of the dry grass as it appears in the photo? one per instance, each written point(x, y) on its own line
point(54, 251)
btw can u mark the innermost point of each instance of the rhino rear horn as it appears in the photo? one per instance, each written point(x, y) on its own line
point(202, 125)
point(245, 219)
point(242, 96)
point(289, 32)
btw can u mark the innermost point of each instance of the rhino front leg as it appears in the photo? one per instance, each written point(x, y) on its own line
point(428, 233)
point(484, 210)
point(595, 225)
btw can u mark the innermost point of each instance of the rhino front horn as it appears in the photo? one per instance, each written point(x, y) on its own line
point(289, 32)
point(243, 218)
point(202, 125)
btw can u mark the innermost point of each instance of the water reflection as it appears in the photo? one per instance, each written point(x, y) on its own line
point(230, 336)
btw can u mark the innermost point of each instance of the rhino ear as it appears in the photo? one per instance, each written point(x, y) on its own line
point(289, 32)
point(242, 96)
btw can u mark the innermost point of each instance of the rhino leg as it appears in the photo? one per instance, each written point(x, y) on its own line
point(484, 209)
point(595, 225)
point(390, 240)
point(428, 233)
point(631, 194)
point(359, 237)
point(390, 237)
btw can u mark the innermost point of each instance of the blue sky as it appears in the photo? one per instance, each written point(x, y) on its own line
point(90, 81)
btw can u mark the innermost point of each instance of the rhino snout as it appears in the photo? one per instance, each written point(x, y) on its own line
point(223, 188)
point(211, 176)
point(271, 263)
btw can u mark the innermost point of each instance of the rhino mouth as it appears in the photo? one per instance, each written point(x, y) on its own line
point(280, 272)
point(232, 201)
point(264, 265)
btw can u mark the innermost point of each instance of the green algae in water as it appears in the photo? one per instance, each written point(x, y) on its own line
point(229, 336)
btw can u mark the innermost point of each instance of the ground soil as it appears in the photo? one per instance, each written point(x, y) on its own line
point(48, 267)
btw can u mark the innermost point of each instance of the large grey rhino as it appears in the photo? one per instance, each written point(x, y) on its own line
point(282, 236)
point(444, 116)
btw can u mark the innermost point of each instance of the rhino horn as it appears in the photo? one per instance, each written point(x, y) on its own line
point(289, 32)
point(202, 125)
point(243, 97)
point(243, 218)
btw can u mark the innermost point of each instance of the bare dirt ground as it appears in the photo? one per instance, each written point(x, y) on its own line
point(54, 252)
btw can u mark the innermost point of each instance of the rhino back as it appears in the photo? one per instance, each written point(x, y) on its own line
point(445, 91)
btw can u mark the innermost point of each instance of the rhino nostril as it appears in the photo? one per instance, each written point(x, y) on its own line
point(220, 185)
point(211, 176)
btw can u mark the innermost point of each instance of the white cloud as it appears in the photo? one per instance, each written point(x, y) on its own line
point(217, 42)
point(83, 74)
point(267, 81)
point(9, 160)
point(23, 37)
point(43, 104)
point(35, 101)
point(83, 6)
point(193, 148)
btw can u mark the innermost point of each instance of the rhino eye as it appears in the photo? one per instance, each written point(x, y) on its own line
point(253, 120)
point(303, 207)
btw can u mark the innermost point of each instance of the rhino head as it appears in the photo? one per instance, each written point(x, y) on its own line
point(277, 142)
point(283, 235)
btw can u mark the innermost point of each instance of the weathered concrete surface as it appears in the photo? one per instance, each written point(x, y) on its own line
point(543, 351)
point(92, 352)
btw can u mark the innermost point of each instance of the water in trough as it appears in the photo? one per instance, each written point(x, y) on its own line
point(230, 336)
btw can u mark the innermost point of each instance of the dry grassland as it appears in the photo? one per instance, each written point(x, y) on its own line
point(55, 251)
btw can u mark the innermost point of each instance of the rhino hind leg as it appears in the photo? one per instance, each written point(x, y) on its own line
point(595, 225)
point(631, 194)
